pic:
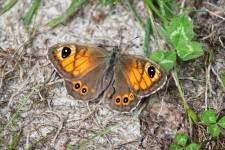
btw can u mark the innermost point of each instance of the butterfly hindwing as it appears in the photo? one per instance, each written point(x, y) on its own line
point(90, 86)
point(119, 95)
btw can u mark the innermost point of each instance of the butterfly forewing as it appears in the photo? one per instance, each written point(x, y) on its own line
point(82, 67)
point(143, 76)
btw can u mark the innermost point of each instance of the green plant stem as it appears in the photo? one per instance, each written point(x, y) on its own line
point(183, 101)
point(191, 114)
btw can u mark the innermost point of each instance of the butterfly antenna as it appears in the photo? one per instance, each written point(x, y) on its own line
point(130, 44)
point(121, 37)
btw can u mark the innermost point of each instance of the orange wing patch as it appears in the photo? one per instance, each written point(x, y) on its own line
point(140, 79)
point(77, 63)
point(82, 63)
point(72, 60)
point(68, 64)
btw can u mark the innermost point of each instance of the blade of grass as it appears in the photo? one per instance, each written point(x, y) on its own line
point(165, 8)
point(74, 6)
point(14, 140)
point(148, 32)
point(8, 6)
point(134, 12)
point(151, 7)
point(31, 12)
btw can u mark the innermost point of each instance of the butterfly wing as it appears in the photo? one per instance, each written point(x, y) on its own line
point(82, 67)
point(134, 78)
point(119, 95)
point(142, 75)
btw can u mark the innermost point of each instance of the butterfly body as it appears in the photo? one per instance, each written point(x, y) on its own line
point(91, 71)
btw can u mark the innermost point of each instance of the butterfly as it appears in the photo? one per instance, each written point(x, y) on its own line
point(91, 71)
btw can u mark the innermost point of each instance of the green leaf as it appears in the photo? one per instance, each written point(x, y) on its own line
point(193, 146)
point(74, 6)
point(181, 139)
point(7, 6)
point(175, 147)
point(179, 32)
point(180, 29)
point(167, 60)
point(221, 122)
point(188, 50)
point(214, 130)
point(31, 12)
point(209, 117)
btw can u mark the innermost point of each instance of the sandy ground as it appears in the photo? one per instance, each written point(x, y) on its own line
point(49, 113)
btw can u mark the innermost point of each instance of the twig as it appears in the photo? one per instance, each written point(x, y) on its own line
point(215, 14)
point(162, 101)
point(96, 120)
point(218, 78)
point(62, 121)
point(207, 76)
point(22, 85)
point(221, 41)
